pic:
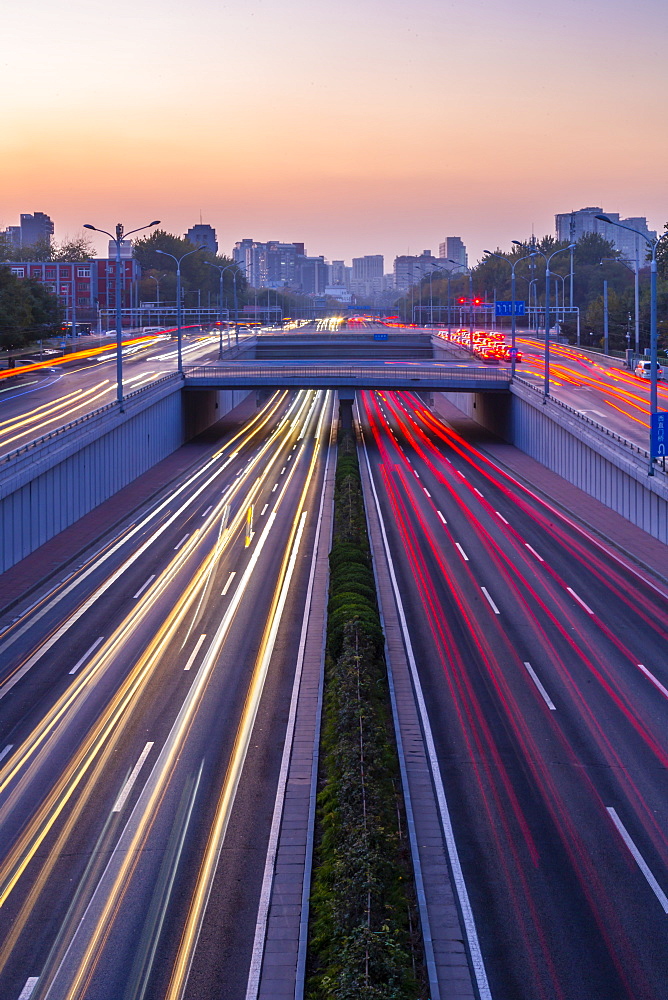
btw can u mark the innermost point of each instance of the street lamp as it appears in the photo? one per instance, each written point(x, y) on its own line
point(653, 330)
point(221, 271)
point(118, 239)
point(470, 273)
point(179, 354)
point(546, 391)
point(636, 290)
point(513, 265)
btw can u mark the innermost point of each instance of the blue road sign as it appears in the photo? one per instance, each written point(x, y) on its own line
point(506, 308)
point(659, 434)
point(380, 336)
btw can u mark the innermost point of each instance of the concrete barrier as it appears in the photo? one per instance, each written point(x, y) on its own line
point(52, 482)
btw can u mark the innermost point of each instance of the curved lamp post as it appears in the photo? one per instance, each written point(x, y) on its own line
point(118, 239)
point(221, 271)
point(470, 273)
point(179, 353)
point(653, 329)
point(513, 265)
point(546, 390)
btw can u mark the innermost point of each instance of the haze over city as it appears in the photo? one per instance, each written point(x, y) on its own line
point(357, 129)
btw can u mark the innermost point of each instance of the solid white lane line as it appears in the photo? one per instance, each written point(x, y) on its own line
point(534, 553)
point(229, 581)
point(134, 774)
point(477, 960)
point(534, 678)
point(648, 673)
point(143, 587)
point(191, 658)
point(3, 753)
point(491, 602)
point(463, 554)
point(501, 516)
point(427, 492)
point(579, 600)
point(86, 654)
point(441, 517)
point(263, 509)
point(207, 510)
point(477, 491)
point(638, 858)
point(179, 544)
point(27, 990)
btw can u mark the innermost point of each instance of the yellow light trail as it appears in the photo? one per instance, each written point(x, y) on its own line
point(143, 815)
point(42, 822)
point(45, 423)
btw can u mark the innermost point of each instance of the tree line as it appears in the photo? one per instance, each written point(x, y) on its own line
point(595, 260)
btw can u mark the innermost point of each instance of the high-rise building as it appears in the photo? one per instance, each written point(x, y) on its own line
point(203, 235)
point(570, 226)
point(409, 269)
point(339, 274)
point(269, 265)
point(33, 229)
point(368, 267)
point(454, 249)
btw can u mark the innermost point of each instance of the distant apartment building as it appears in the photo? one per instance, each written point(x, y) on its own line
point(340, 274)
point(368, 267)
point(32, 229)
point(453, 249)
point(203, 235)
point(125, 248)
point(573, 225)
point(83, 286)
point(281, 265)
point(410, 270)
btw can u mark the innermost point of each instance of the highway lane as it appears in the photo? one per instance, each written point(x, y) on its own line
point(602, 390)
point(543, 664)
point(35, 403)
point(167, 696)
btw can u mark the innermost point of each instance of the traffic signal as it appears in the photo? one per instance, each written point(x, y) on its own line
point(463, 301)
point(477, 302)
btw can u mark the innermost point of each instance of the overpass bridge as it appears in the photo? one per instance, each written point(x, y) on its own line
point(431, 375)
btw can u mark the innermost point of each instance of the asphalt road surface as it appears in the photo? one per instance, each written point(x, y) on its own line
point(543, 662)
point(143, 703)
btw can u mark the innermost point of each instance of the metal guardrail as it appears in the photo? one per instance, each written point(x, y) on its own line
point(334, 371)
point(36, 442)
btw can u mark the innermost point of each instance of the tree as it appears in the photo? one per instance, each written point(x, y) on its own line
point(70, 251)
point(27, 310)
point(662, 255)
point(592, 248)
point(196, 275)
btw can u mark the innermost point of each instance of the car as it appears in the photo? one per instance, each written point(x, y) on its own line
point(644, 370)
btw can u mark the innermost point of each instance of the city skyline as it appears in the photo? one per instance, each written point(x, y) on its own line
point(383, 129)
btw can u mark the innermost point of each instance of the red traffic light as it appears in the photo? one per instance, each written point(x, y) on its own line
point(463, 301)
point(477, 302)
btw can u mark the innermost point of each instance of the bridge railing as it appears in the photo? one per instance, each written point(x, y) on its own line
point(386, 372)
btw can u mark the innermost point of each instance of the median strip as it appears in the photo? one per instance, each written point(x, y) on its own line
point(364, 933)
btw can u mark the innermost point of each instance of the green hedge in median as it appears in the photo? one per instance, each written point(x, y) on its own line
point(364, 939)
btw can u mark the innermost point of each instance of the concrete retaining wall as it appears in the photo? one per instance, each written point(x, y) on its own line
point(48, 486)
point(596, 461)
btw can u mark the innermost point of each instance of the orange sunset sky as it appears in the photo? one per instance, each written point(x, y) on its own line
point(357, 127)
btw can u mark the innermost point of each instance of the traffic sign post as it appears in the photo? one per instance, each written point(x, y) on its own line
point(659, 435)
point(506, 308)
